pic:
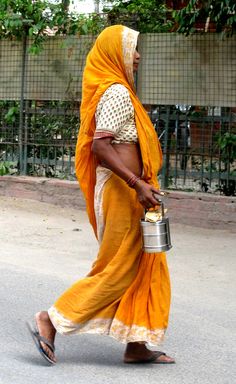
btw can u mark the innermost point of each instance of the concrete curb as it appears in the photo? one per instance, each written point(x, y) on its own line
point(53, 191)
point(196, 209)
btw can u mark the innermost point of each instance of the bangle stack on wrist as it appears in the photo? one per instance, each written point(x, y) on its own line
point(132, 181)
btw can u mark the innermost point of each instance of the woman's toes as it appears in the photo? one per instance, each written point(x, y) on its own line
point(165, 359)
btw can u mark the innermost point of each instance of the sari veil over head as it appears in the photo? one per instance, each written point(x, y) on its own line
point(110, 61)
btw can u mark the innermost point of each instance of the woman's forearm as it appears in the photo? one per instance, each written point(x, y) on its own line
point(106, 153)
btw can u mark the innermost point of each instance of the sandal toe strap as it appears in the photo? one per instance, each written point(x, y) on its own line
point(45, 341)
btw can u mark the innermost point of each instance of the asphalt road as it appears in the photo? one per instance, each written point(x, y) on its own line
point(43, 249)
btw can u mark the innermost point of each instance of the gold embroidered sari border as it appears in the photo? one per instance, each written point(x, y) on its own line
point(110, 327)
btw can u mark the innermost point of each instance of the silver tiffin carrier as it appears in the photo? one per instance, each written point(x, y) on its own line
point(156, 235)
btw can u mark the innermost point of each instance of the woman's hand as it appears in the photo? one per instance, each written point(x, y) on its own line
point(147, 194)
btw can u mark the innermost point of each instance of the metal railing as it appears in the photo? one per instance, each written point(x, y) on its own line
point(194, 160)
point(39, 123)
point(198, 146)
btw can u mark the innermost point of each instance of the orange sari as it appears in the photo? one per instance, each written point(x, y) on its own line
point(127, 293)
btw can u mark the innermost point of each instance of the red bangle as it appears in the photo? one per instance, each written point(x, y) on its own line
point(132, 181)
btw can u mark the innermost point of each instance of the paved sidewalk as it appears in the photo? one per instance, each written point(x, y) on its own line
point(45, 248)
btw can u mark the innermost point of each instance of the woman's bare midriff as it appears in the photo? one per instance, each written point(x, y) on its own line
point(130, 156)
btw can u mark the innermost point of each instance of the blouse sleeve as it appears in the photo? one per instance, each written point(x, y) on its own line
point(113, 111)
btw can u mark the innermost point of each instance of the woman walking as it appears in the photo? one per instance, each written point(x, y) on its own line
point(127, 293)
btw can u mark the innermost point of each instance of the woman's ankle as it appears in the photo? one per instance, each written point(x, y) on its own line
point(136, 347)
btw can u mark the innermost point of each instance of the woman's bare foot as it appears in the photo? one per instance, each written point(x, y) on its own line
point(138, 352)
point(47, 330)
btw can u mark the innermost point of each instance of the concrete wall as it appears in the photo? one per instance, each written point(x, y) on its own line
point(54, 74)
point(195, 70)
point(198, 70)
point(196, 209)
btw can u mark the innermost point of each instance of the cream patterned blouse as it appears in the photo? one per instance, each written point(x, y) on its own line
point(115, 116)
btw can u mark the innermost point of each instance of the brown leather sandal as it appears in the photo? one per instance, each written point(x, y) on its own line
point(153, 359)
point(37, 340)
